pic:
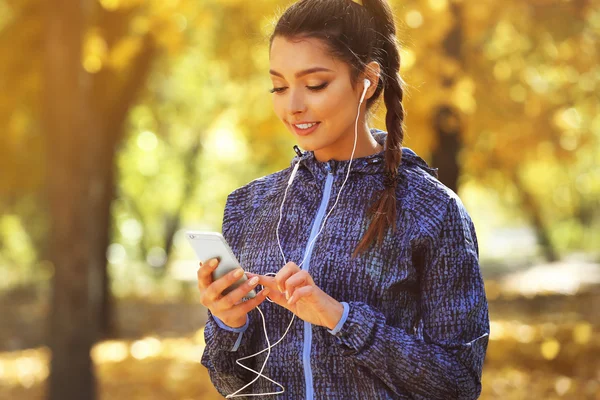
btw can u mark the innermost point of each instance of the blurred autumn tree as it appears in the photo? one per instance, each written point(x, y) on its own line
point(500, 93)
point(83, 125)
point(512, 90)
point(85, 67)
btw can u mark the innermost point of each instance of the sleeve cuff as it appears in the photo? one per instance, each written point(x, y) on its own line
point(241, 329)
point(340, 324)
point(359, 328)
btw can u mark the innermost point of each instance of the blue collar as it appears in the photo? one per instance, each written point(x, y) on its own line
point(371, 164)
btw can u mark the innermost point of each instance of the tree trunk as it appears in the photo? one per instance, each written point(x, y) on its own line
point(74, 198)
point(445, 156)
point(532, 209)
point(446, 117)
point(114, 114)
point(106, 323)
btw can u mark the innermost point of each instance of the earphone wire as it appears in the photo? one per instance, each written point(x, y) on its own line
point(269, 346)
point(343, 183)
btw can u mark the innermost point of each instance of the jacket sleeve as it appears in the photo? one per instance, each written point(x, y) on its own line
point(224, 344)
point(446, 360)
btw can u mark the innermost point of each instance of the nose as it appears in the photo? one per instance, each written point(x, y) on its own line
point(296, 102)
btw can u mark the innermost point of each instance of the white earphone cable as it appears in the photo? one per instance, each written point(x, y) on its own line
point(269, 346)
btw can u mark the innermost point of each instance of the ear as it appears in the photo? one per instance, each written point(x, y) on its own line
point(372, 72)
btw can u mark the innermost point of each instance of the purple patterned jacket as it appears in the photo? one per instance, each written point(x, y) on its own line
point(415, 322)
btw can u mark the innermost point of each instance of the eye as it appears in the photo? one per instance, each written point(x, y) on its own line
point(317, 88)
point(313, 88)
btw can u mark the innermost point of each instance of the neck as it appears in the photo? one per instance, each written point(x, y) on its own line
point(366, 145)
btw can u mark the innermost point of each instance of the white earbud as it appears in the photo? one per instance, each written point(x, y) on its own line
point(259, 374)
point(367, 85)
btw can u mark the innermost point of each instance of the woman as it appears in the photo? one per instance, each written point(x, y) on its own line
point(384, 274)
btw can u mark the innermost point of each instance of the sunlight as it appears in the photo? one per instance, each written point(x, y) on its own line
point(225, 142)
point(438, 5)
point(110, 5)
point(408, 59)
point(561, 277)
point(147, 141)
point(414, 19)
point(147, 347)
point(24, 368)
point(110, 351)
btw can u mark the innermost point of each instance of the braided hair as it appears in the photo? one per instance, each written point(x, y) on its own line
point(358, 34)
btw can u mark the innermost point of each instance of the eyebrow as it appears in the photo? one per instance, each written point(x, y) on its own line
point(302, 73)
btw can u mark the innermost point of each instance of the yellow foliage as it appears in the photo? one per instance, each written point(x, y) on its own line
point(550, 349)
point(95, 51)
point(124, 51)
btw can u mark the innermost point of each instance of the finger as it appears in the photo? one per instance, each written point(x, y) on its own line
point(244, 308)
point(236, 295)
point(268, 281)
point(302, 292)
point(213, 292)
point(250, 275)
point(277, 297)
point(251, 304)
point(299, 279)
point(284, 273)
point(205, 272)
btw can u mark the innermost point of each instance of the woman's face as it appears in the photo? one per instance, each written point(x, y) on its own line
point(324, 97)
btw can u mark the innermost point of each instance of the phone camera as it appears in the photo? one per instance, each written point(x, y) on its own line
point(192, 237)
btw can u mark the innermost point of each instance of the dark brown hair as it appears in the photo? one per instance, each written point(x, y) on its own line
point(357, 35)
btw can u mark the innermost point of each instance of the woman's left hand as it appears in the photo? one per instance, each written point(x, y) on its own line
point(294, 289)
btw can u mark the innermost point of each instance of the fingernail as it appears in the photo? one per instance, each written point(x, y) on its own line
point(289, 301)
point(213, 262)
point(266, 291)
point(287, 295)
point(253, 281)
point(238, 273)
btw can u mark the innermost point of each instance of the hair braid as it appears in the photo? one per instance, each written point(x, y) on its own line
point(383, 211)
point(358, 34)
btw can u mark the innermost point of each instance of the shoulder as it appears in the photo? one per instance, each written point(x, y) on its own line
point(242, 201)
point(256, 191)
point(431, 203)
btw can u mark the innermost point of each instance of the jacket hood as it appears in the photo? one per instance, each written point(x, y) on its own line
point(372, 164)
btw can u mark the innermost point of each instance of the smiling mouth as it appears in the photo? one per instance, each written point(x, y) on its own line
point(305, 129)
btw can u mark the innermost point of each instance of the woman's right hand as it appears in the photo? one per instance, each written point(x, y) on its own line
point(229, 308)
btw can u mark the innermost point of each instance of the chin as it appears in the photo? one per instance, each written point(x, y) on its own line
point(307, 144)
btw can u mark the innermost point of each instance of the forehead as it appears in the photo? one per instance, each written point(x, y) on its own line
point(290, 56)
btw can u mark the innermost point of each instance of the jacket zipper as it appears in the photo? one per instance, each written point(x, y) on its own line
point(308, 378)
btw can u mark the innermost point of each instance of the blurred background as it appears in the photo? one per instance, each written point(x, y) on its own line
point(124, 122)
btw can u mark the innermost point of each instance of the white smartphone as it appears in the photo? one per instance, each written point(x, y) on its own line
point(209, 245)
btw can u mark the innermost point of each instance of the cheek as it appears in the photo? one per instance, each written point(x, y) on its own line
point(339, 97)
point(278, 108)
point(325, 103)
point(329, 105)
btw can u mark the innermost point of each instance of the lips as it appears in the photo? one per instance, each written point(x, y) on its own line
point(304, 132)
